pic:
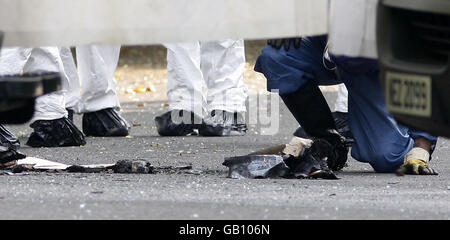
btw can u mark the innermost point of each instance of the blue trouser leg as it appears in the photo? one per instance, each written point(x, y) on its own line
point(287, 71)
point(380, 140)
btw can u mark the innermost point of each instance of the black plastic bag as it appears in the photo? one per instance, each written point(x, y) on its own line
point(55, 133)
point(222, 123)
point(187, 127)
point(105, 123)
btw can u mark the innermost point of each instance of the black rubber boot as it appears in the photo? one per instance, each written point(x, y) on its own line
point(9, 144)
point(186, 126)
point(55, 133)
point(223, 123)
point(9, 157)
point(341, 121)
point(70, 113)
point(8, 139)
point(105, 123)
point(311, 111)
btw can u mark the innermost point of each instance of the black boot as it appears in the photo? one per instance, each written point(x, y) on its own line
point(8, 139)
point(55, 133)
point(9, 144)
point(186, 126)
point(70, 113)
point(223, 123)
point(341, 121)
point(311, 111)
point(105, 123)
point(9, 157)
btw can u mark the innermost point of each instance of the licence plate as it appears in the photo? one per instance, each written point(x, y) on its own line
point(408, 94)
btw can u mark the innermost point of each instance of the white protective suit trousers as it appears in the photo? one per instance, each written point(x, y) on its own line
point(218, 66)
point(16, 60)
point(93, 86)
point(341, 104)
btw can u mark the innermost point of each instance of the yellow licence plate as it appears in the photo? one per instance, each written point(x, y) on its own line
point(408, 94)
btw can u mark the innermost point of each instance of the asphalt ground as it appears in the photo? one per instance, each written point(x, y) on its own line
point(358, 194)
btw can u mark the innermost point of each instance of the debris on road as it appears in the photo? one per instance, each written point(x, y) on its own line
point(22, 168)
point(95, 168)
point(140, 89)
point(301, 158)
point(138, 166)
point(133, 166)
point(393, 183)
point(172, 170)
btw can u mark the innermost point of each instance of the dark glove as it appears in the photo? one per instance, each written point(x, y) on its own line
point(277, 43)
point(312, 163)
point(337, 159)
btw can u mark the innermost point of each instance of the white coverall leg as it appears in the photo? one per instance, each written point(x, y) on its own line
point(223, 66)
point(218, 65)
point(185, 85)
point(341, 104)
point(72, 95)
point(95, 79)
point(15, 60)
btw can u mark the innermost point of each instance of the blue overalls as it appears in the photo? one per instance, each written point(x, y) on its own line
point(380, 140)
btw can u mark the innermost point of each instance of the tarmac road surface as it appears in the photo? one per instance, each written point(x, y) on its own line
point(359, 194)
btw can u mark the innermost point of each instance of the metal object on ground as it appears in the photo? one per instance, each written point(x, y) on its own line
point(256, 166)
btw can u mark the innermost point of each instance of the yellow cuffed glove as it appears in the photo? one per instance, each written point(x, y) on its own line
point(416, 163)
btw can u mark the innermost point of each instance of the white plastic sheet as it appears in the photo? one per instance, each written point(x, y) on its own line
point(76, 22)
point(42, 164)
